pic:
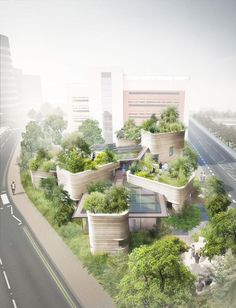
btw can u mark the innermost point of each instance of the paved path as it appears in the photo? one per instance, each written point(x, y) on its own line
point(83, 285)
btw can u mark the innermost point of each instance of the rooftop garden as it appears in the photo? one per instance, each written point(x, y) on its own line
point(111, 200)
point(168, 122)
point(177, 173)
point(77, 160)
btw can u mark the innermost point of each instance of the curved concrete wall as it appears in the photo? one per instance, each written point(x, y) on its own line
point(160, 143)
point(36, 176)
point(173, 194)
point(126, 143)
point(108, 232)
point(76, 183)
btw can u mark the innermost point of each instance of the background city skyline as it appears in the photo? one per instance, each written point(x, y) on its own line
point(60, 40)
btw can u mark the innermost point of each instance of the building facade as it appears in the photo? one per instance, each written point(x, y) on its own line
point(145, 95)
point(113, 97)
point(78, 100)
point(8, 91)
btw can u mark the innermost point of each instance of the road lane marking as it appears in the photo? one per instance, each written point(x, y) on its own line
point(5, 199)
point(229, 195)
point(14, 303)
point(0, 261)
point(20, 222)
point(234, 201)
point(49, 268)
point(6, 279)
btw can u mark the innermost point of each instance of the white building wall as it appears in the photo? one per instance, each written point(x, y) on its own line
point(78, 101)
point(106, 95)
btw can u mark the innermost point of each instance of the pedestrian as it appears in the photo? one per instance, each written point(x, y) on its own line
point(160, 165)
point(201, 177)
point(13, 187)
point(93, 155)
point(197, 258)
point(204, 177)
point(192, 250)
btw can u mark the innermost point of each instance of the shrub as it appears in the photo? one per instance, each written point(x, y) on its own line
point(117, 199)
point(99, 186)
point(95, 202)
point(105, 157)
point(135, 167)
point(189, 218)
point(48, 165)
point(146, 174)
point(34, 164)
point(114, 201)
point(130, 131)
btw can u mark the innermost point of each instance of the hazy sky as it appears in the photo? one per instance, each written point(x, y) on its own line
point(60, 39)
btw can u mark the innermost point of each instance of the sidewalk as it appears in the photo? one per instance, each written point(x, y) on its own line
point(90, 293)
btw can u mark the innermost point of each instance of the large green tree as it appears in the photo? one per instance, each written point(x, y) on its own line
point(156, 277)
point(54, 125)
point(91, 132)
point(221, 234)
point(216, 204)
point(74, 140)
point(216, 198)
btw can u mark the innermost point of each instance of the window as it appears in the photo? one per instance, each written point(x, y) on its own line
point(171, 151)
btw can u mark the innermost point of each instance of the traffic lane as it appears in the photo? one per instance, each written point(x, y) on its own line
point(6, 150)
point(214, 168)
point(215, 156)
point(5, 297)
point(31, 282)
point(222, 154)
point(18, 253)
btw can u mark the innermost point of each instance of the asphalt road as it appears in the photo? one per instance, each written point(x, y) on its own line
point(28, 279)
point(214, 159)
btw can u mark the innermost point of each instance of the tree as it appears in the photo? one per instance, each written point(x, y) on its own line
point(54, 125)
point(216, 204)
point(214, 186)
point(156, 277)
point(170, 115)
point(32, 137)
point(91, 132)
point(74, 140)
point(221, 234)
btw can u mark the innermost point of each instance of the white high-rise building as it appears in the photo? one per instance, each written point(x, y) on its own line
point(78, 100)
point(106, 99)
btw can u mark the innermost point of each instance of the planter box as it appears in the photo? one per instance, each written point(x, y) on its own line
point(108, 232)
point(176, 195)
point(160, 144)
point(36, 176)
point(76, 183)
point(126, 143)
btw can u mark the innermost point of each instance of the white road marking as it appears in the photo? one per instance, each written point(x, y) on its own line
point(229, 195)
point(20, 222)
point(7, 282)
point(5, 199)
point(14, 303)
point(234, 201)
point(11, 210)
point(0, 261)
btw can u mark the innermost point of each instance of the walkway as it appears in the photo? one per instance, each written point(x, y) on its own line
point(90, 293)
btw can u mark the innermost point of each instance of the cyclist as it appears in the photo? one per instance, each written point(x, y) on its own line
point(13, 187)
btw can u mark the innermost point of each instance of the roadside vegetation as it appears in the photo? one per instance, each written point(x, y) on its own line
point(226, 133)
